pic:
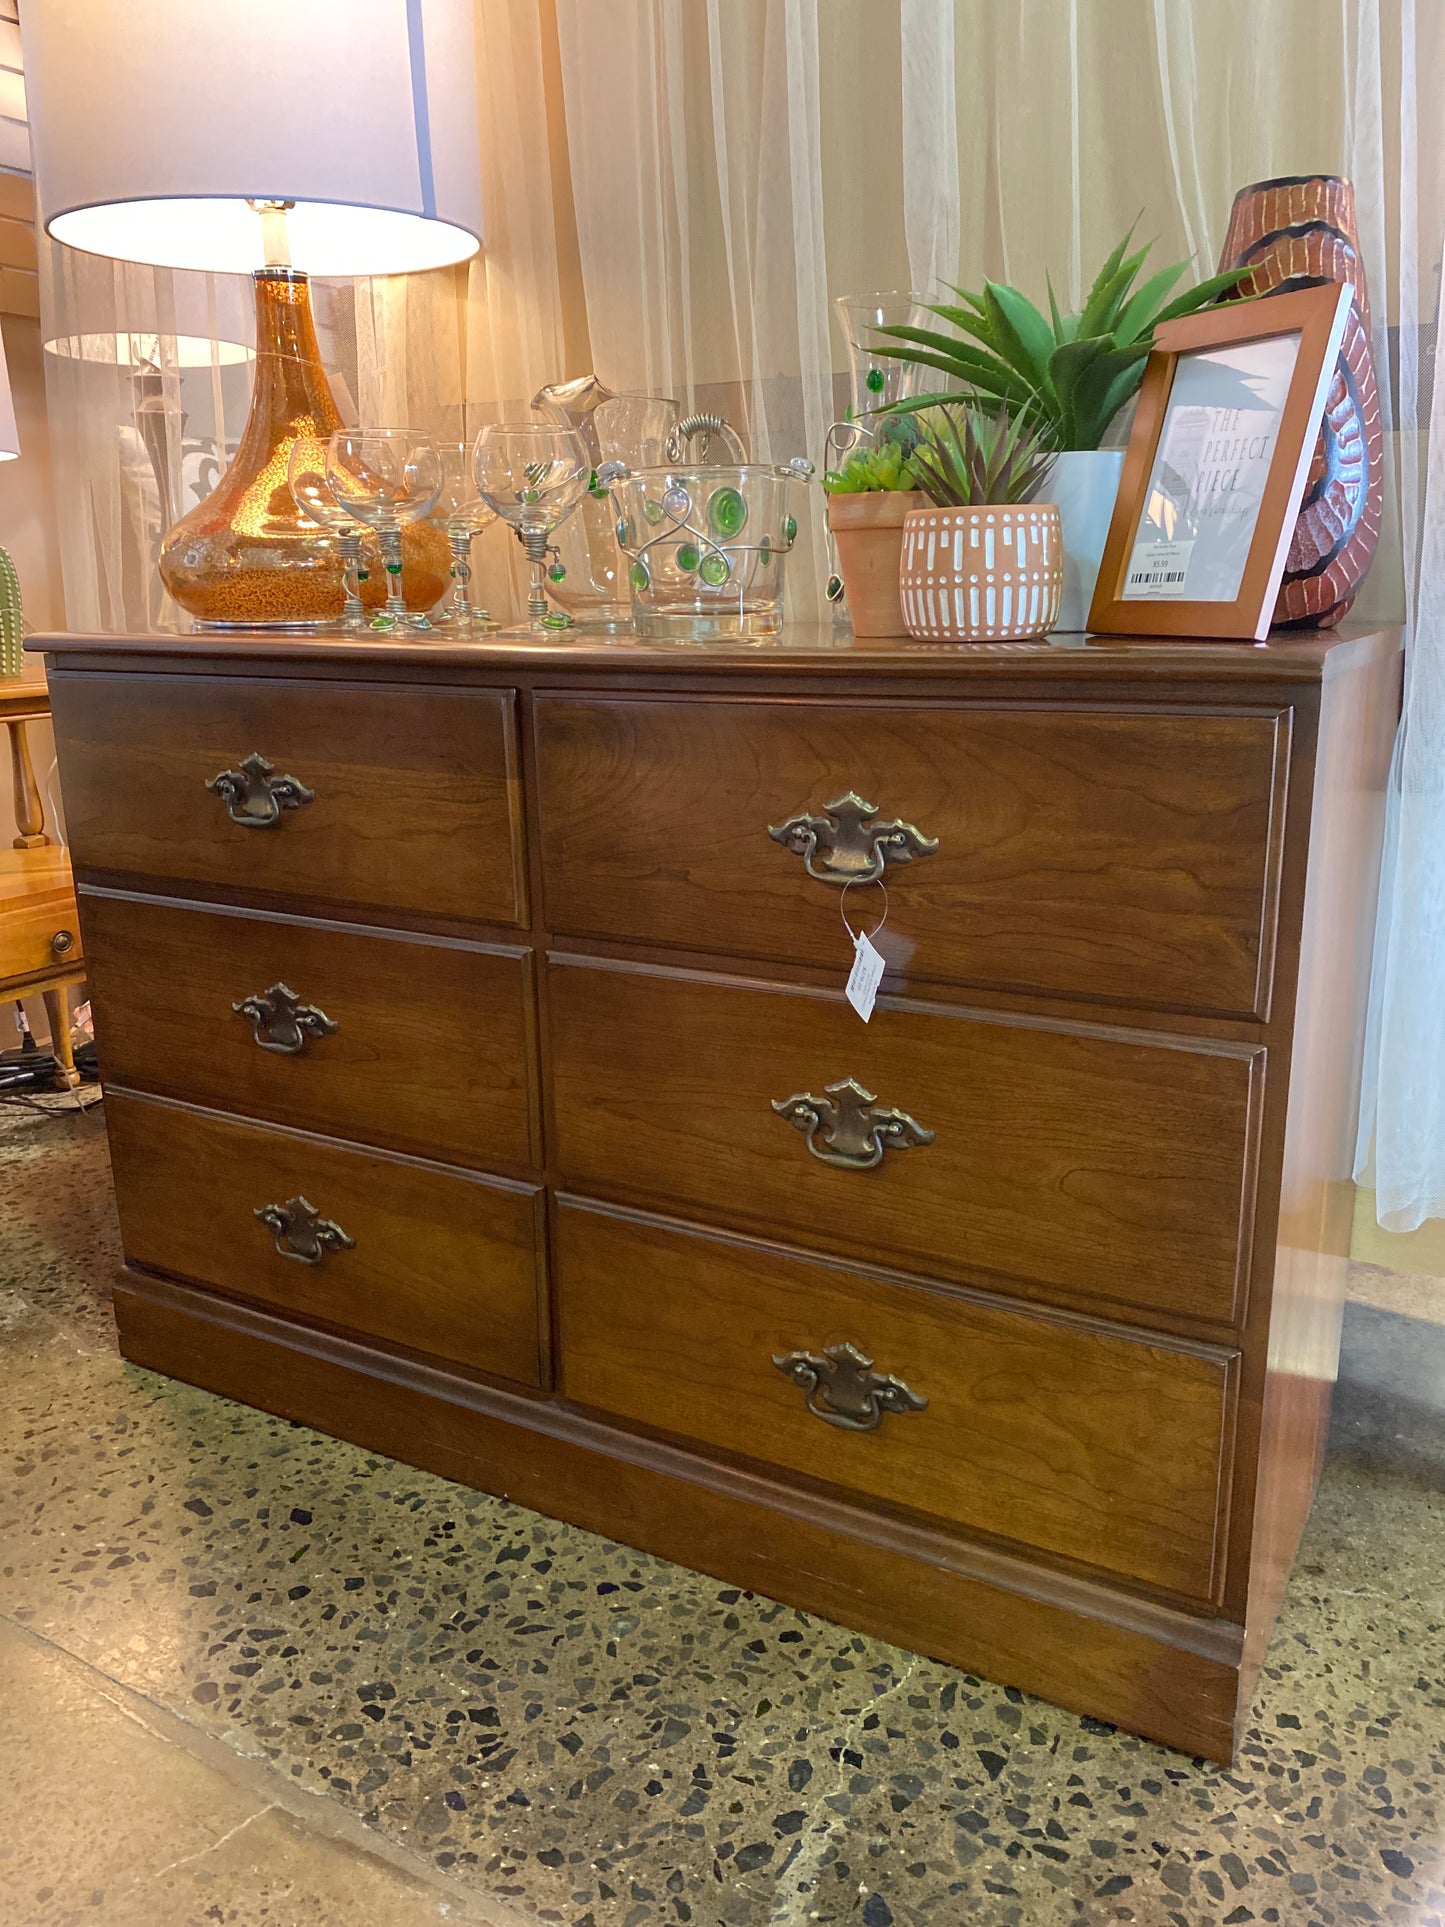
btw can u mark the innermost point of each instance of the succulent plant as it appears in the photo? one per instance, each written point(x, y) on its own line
point(885, 464)
point(968, 455)
point(1071, 372)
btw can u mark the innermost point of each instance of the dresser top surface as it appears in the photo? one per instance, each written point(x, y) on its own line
point(801, 650)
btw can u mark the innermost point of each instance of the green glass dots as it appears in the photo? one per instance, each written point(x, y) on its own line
point(556, 573)
point(714, 569)
point(653, 511)
point(790, 529)
point(596, 489)
point(873, 381)
point(640, 576)
point(727, 513)
point(765, 553)
point(622, 530)
point(687, 557)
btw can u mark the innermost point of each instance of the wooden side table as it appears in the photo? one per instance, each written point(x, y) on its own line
point(40, 947)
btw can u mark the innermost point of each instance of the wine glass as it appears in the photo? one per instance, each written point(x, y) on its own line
point(533, 476)
point(465, 515)
point(311, 492)
point(385, 477)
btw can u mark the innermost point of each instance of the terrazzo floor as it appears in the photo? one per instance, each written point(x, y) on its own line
point(251, 1675)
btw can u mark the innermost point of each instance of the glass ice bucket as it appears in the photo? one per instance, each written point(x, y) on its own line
point(706, 546)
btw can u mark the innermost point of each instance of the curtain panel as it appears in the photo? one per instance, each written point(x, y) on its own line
point(675, 192)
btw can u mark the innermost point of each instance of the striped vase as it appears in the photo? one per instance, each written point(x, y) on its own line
point(1296, 233)
point(988, 574)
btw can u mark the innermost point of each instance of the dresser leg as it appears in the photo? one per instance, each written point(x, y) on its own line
point(57, 1011)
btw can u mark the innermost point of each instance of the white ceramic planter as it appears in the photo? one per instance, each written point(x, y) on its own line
point(989, 574)
point(1083, 484)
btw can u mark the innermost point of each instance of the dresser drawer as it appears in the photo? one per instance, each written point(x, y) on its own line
point(1090, 1445)
point(432, 1259)
point(400, 800)
point(1081, 1163)
point(1090, 852)
point(420, 1046)
point(39, 933)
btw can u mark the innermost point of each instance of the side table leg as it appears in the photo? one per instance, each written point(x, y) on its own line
point(29, 804)
point(57, 1010)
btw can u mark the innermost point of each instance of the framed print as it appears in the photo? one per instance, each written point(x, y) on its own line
point(1216, 467)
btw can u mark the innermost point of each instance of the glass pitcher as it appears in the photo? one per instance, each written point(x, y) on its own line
point(587, 575)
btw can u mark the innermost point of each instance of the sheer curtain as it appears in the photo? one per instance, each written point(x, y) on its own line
point(676, 190)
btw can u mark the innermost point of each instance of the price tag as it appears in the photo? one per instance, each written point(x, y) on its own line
point(1158, 569)
point(864, 978)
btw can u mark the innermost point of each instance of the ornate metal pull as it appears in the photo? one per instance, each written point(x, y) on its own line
point(844, 1390)
point(281, 1022)
point(854, 1130)
point(255, 796)
point(301, 1232)
point(848, 842)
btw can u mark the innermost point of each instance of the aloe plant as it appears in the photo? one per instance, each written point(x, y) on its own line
point(1071, 373)
point(967, 456)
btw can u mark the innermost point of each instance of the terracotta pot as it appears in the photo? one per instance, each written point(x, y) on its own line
point(990, 574)
point(1291, 233)
point(868, 531)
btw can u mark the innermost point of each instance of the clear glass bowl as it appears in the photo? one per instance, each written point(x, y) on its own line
point(706, 547)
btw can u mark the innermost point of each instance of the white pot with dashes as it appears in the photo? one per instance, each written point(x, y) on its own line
point(994, 573)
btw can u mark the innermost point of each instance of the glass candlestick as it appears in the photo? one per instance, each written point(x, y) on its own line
point(465, 515)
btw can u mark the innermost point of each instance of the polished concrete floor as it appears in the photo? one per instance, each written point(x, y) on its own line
point(251, 1675)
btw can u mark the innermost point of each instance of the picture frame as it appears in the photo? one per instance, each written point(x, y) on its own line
point(1216, 466)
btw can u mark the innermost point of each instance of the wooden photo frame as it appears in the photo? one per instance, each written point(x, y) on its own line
point(1216, 467)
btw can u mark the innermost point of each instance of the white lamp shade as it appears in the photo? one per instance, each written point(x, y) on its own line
point(154, 122)
point(127, 319)
point(9, 433)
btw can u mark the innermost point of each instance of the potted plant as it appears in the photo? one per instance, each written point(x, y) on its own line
point(868, 498)
point(1071, 374)
point(983, 561)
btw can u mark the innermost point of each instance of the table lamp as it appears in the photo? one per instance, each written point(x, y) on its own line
point(334, 138)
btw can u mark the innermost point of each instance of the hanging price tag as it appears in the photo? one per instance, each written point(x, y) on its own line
point(864, 978)
point(867, 973)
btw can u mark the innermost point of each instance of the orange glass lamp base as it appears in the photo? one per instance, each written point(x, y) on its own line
point(247, 557)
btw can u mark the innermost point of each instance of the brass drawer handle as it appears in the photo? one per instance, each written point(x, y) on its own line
point(847, 1127)
point(844, 1390)
point(847, 844)
point(255, 796)
point(301, 1232)
point(281, 1022)
point(62, 943)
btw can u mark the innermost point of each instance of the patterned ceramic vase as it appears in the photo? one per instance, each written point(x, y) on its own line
point(990, 574)
point(1298, 233)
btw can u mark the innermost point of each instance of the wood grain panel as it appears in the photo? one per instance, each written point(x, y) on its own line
point(432, 1051)
point(1128, 855)
point(1098, 1165)
point(1097, 1446)
point(417, 803)
point(443, 1262)
point(37, 908)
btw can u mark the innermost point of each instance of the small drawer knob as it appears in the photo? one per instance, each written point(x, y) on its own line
point(62, 943)
point(281, 1022)
point(255, 796)
point(301, 1232)
point(849, 843)
point(844, 1390)
point(847, 1127)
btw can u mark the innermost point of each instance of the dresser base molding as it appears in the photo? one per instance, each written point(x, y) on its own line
point(1160, 1672)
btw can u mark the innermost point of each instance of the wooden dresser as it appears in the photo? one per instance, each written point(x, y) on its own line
point(481, 1088)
